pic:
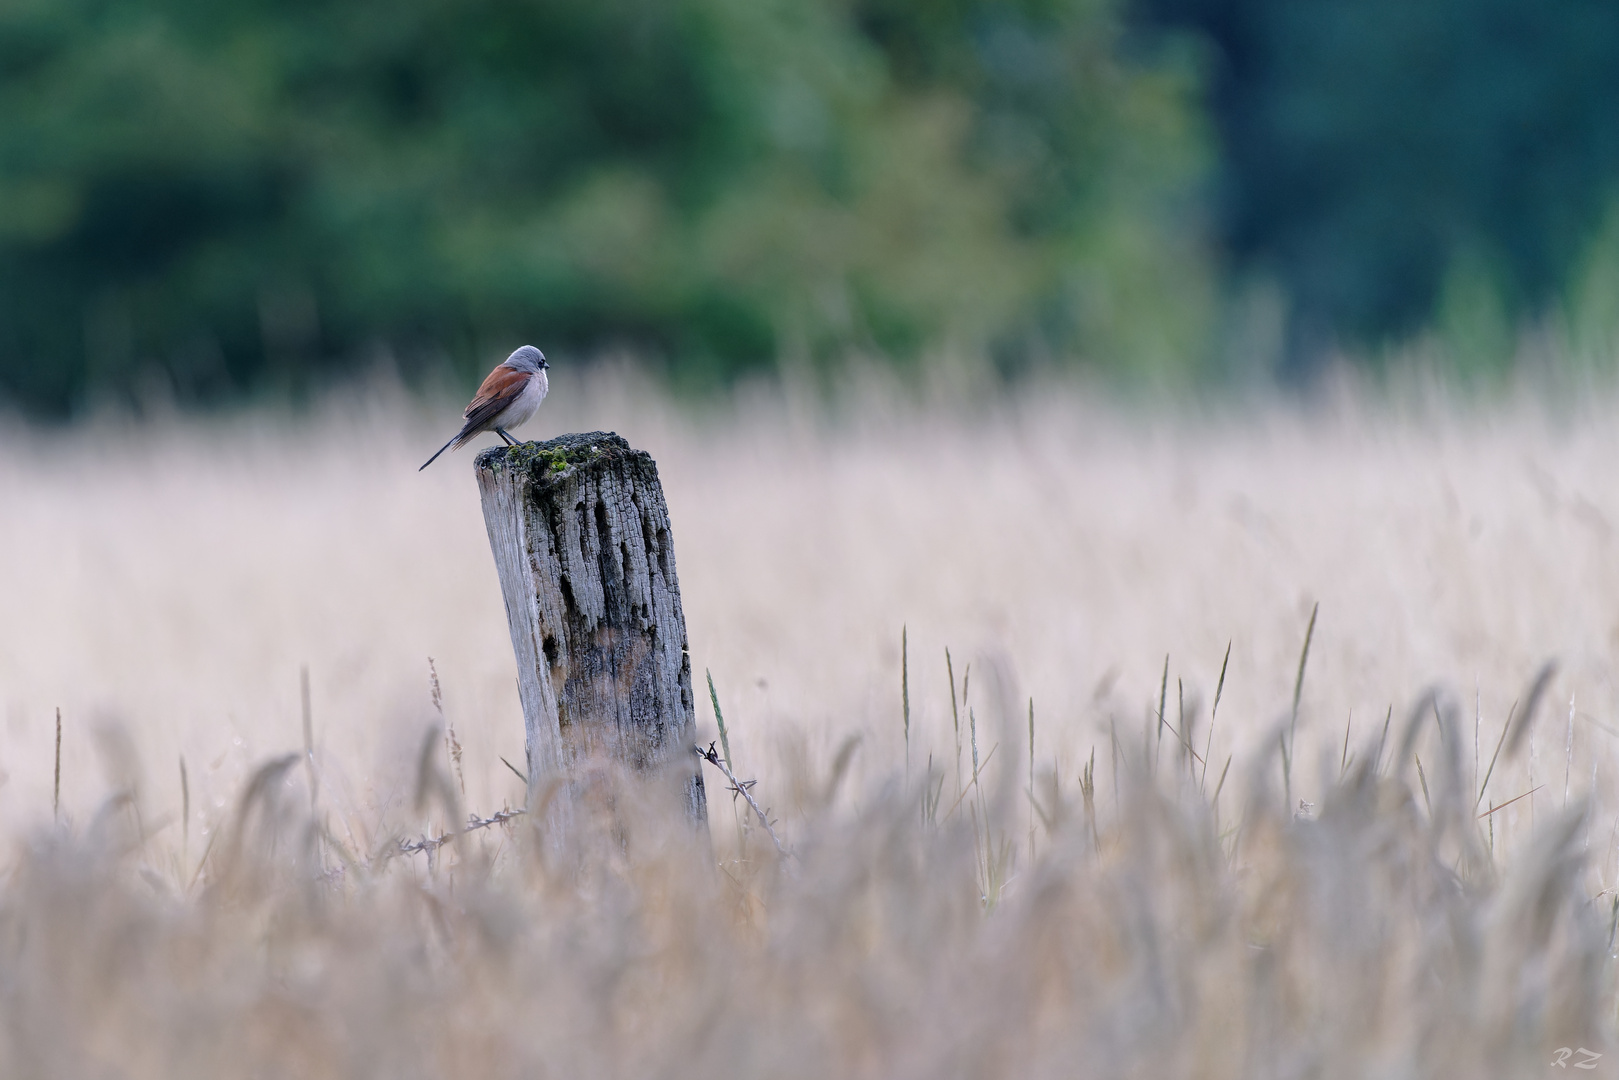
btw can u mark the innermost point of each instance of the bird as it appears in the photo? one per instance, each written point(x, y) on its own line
point(509, 396)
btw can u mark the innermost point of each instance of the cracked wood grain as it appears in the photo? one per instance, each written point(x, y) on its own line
point(581, 539)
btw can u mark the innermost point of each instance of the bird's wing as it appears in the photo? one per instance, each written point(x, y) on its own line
point(498, 391)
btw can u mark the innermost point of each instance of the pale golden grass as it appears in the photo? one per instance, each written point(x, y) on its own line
point(165, 581)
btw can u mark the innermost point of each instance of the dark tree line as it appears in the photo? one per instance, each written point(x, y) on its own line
point(241, 195)
point(1366, 145)
point(237, 194)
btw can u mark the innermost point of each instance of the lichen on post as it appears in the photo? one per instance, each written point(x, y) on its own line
point(580, 534)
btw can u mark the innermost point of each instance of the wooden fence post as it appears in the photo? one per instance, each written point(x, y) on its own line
point(581, 539)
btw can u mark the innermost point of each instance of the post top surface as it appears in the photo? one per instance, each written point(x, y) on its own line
point(558, 455)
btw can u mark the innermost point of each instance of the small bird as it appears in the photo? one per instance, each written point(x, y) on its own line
point(508, 397)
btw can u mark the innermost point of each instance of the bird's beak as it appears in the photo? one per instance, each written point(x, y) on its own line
point(544, 366)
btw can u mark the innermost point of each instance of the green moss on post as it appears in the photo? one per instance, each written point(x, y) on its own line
point(539, 461)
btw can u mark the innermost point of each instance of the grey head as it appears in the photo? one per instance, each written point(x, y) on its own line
point(528, 359)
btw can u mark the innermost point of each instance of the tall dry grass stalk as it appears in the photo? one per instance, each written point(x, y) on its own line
point(1322, 904)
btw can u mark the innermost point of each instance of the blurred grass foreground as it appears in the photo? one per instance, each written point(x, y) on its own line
point(1357, 840)
point(1149, 937)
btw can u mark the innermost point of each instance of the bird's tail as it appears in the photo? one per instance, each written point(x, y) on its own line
point(441, 450)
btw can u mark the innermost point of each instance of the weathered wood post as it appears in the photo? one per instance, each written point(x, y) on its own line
point(581, 539)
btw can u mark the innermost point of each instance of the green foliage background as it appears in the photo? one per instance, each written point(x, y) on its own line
point(234, 194)
point(1392, 162)
point(213, 198)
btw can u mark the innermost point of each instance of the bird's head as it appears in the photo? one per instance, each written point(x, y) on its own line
point(527, 359)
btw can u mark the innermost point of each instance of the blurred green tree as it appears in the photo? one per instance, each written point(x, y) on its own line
point(235, 194)
point(1373, 150)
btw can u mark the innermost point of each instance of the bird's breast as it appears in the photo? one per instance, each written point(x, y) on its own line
point(527, 402)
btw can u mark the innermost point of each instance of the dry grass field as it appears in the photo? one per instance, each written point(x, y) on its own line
point(1345, 913)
